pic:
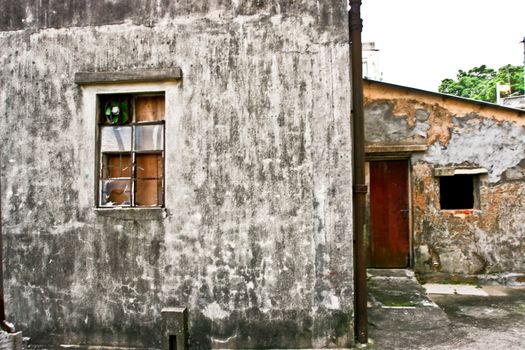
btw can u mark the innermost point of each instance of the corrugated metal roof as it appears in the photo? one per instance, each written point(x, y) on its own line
point(514, 102)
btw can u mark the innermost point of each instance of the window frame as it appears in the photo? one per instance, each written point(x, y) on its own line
point(477, 174)
point(133, 124)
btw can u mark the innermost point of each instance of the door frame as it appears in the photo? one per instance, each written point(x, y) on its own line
point(370, 157)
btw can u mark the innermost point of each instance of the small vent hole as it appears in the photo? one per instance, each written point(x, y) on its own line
point(173, 342)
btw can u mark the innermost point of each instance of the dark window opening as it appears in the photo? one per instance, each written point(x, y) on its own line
point(458, 192)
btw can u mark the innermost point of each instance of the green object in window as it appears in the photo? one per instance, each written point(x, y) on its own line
point(124, 110)
point(117, 111)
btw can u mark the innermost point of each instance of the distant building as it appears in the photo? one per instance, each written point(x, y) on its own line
point(514, 102)
point(371, 68)
point(447, 183)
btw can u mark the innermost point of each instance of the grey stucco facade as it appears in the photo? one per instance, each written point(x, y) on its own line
point(255, 234)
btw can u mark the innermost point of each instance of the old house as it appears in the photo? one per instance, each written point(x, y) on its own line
point(161, 155)
point(447, 183)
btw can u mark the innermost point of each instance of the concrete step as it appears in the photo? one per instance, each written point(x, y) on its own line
point(390, 273)
point(398, 302)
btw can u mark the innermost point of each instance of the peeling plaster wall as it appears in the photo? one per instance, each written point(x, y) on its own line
point(458, 133)
point(255, 238)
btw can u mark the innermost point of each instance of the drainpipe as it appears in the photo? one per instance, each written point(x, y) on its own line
point(523, 41)
point(3, 322)
point(359, 185)
point(2, 308)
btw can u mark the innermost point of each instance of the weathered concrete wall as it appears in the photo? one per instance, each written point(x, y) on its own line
point(490, 239)
point(255, 238)
point(28, 14)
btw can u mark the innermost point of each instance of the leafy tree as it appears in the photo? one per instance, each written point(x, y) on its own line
point(479, 83)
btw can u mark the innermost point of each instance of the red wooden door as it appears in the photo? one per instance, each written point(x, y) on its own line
point(389, 237)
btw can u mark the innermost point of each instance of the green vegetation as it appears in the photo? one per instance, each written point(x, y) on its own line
point(395, 300)
point(399, 303)
point(479, 83)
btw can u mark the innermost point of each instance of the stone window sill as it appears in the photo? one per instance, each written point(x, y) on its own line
point(463, 213)
point(135, 213)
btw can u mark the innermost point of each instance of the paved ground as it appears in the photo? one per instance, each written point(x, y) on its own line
point(403, 316)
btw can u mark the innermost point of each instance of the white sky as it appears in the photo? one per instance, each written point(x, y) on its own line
point(422, 42)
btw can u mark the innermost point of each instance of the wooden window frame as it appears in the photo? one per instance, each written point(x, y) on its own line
point(134, 153)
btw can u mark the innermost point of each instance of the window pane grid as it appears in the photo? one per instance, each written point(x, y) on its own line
point(132, 156)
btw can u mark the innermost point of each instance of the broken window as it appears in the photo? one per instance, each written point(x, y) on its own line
point(131, 144)
point(459, 191)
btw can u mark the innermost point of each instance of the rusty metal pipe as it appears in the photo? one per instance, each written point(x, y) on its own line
point(2, 308)
point(3, 322)
point(523, 41)
point(359, 181)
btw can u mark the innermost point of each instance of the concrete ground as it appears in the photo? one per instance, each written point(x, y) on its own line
point(451, 317)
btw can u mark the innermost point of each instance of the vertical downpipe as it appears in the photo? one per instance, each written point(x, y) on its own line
point(523, 41)
point(359, 185)
point(2, 307)
point(3, 323)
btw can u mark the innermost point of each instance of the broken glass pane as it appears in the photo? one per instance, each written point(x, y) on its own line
point(116, 165)
point(149, 138)
point(148, 192)
point(115, 138)
point(115, 192)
